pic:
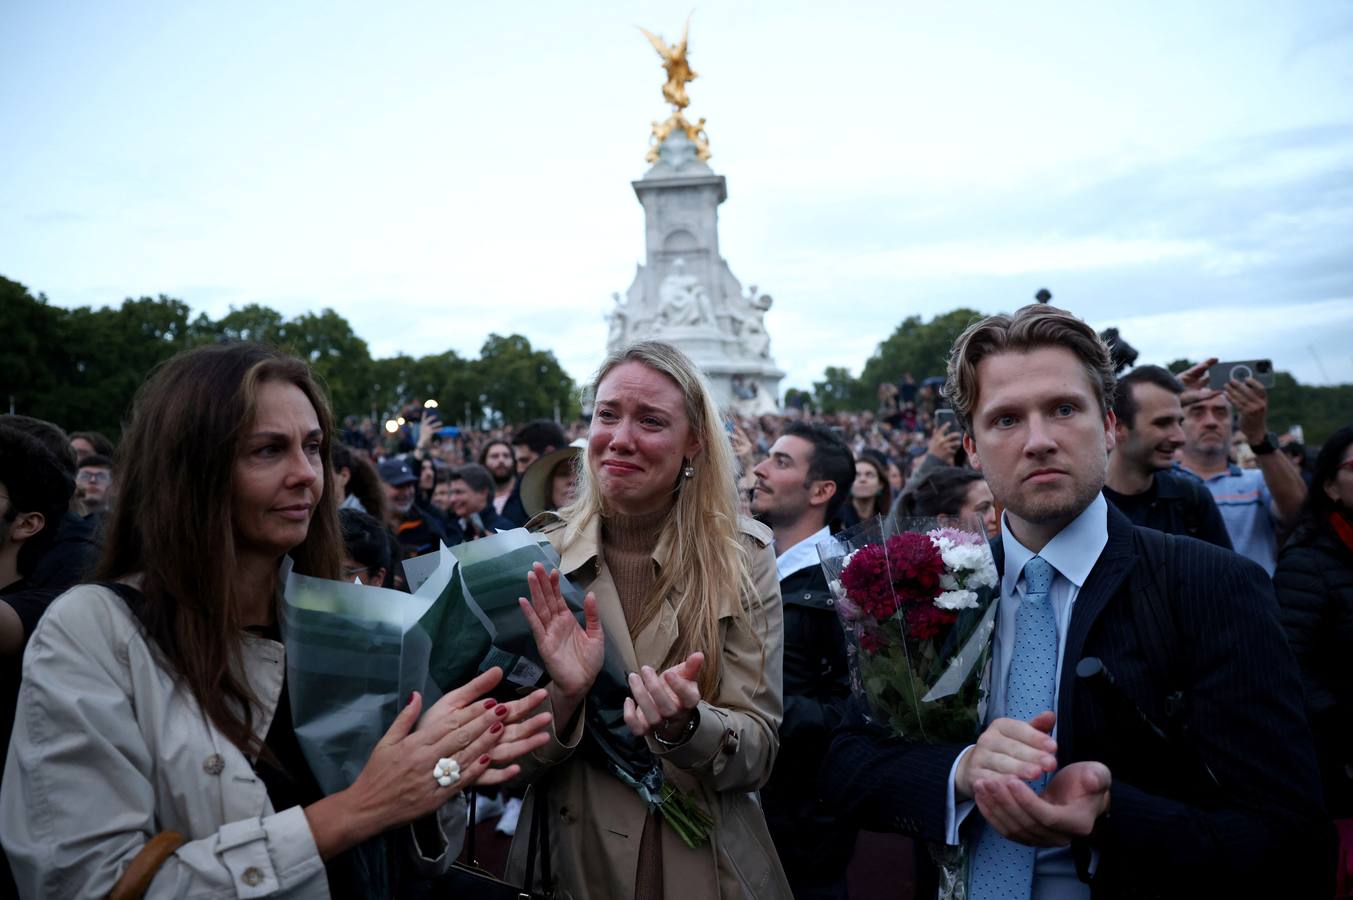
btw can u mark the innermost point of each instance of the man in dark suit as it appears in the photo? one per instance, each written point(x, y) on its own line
point(799, 488)
point(1193, 777)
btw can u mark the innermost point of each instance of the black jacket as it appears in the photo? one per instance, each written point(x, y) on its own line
point(1175, 504)
point(813, 844)
point(1314, 582)
point(1262, 833)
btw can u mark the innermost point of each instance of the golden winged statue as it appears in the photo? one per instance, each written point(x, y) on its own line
point(679, 72)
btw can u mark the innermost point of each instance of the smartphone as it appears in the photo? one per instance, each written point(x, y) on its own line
point(1260, 370)
point(946, 417)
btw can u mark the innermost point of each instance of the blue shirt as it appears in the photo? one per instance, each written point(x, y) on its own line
point(1072, 553)
point(1246, 507)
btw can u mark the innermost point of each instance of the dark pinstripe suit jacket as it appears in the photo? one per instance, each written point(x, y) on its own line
point(1169, 832)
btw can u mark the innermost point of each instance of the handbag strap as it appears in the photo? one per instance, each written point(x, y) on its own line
point(539, 840)
point(470, 829)
point(138, 874)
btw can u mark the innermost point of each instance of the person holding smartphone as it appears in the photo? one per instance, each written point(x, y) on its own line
point(1254, 503)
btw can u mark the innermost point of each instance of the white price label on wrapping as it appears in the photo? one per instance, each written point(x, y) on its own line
point(525, 673)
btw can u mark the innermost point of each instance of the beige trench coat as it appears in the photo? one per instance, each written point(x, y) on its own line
point(595, 821)
point(108, 750)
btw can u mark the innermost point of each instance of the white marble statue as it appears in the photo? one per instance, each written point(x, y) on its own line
point(682, 299)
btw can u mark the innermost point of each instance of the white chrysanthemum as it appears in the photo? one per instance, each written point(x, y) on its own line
point(964, 557)
point(952, 600)
point(949, 582)
point(985, 575)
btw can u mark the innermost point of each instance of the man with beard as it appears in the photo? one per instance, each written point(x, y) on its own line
point(799, 488)
point(1140, 481)
point(501, 463)
point(416, 529)
point(1254, 503)
point(1144, 732)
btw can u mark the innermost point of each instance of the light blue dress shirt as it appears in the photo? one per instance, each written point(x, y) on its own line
point(1073, 553)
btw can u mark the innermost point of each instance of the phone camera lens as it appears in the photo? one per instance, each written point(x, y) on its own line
point(1240, 373)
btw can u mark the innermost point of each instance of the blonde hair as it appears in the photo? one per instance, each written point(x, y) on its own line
point(708, 556)
point(1032, 327)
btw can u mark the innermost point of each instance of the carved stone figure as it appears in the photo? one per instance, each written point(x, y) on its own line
point(618, 318)
point(683, 301)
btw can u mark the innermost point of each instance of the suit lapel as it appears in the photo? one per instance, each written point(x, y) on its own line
point(1107, 576)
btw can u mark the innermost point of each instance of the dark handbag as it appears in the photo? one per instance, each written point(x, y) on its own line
point(469, 879)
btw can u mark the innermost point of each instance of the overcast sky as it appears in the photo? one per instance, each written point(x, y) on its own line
point(437, 171)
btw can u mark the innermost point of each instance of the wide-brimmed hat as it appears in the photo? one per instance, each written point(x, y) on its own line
point(536, 480)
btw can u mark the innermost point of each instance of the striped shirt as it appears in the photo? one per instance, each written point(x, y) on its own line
point(1247, 509)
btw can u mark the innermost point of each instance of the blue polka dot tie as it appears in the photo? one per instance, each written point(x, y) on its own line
point(1003, 869)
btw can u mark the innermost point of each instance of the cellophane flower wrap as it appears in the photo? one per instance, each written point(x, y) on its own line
point(916, 598)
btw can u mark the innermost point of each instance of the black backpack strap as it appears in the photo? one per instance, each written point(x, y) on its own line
point(1153, 617)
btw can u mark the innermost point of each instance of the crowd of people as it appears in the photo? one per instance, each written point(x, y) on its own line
point(1146, 522)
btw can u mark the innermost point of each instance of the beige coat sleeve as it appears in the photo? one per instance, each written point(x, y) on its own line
point(80, 785)
point(734, 745)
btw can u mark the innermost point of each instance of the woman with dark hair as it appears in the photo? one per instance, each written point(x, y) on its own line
point(429, 473)
point(366, 548)
point(91, 443)
point(1314, 583)
point(155, 700)
point(357, 485)
point(951, 491)
point(870, 495)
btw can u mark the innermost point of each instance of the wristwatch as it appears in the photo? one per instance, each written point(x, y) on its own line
point(685, 732)
point(1266, 446)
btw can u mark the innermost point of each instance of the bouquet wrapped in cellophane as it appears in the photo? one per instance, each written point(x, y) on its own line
point(355, 652)
point(916, 599)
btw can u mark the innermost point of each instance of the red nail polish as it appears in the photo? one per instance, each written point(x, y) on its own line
point(490, 703)
point(500, 711)
point(483, 760)
point(497, 727)
point(412, 694)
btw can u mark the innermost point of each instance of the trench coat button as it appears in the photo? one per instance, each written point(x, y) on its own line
point(213, 765)
point(252, 876)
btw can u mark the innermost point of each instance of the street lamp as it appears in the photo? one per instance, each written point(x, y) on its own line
point(391, 426)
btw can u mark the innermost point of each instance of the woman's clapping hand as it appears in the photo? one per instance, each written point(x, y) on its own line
point(397, 786)
point(572, 654)
point(662, 704)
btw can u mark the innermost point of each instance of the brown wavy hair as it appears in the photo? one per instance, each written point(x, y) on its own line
point(173, 524)
point(1032, 327)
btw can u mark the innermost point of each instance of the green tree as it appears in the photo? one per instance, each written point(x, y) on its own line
point(921, 348)
point(516, 383)
point(31, 353)
point(340, 359)
point(839, 391)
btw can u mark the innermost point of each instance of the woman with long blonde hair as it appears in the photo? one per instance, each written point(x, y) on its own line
point(667, 700)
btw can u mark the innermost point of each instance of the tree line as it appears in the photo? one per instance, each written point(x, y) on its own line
point(81, 367)
point(921, 348)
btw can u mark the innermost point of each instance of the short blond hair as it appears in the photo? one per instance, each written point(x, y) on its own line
point(1032, 327)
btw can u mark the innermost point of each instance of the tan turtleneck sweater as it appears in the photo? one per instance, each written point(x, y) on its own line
point(627, 544)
